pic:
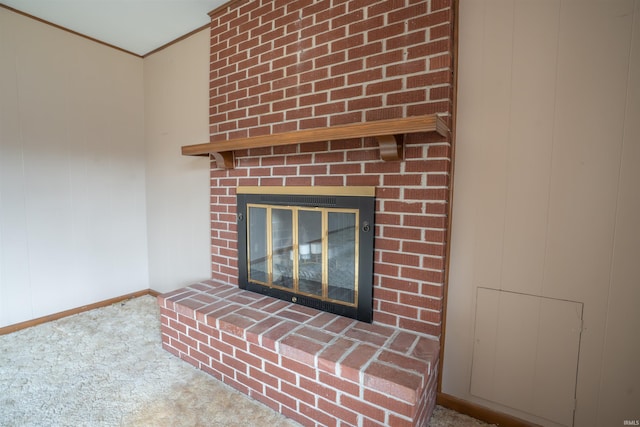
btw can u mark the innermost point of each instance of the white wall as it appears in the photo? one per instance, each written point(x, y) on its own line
point(72, 171)
point(176, 83)
point(546, 201)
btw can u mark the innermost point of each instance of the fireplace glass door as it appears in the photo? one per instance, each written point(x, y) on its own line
point(307, 251)
point(312, 246)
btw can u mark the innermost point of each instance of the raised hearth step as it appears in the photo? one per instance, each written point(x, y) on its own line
point(286, 355)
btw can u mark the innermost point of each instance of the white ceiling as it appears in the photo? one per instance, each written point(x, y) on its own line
point(138, 26)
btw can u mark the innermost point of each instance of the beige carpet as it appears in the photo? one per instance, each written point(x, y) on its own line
point(106, 367)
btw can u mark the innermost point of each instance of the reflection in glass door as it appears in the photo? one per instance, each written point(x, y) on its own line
point(282, 247)
point(310, 251)
point(342, 256)
point(310, 277)
point(257, 245)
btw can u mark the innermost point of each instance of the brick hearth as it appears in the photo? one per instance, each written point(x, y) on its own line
point(312, 366)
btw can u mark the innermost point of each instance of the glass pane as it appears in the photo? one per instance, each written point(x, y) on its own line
point(258, 270)
point(282, 238)
point(310, 252)
point(342, 256)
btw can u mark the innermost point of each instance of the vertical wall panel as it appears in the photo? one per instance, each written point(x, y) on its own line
point(467, 197)
point(495, 81)
point(592, 79)
point(176, 83)
point(14, 249)
point(620, 386)
point(592, 85)
point(72, 189)
point(560, 152)
point(530, 127)
point(44, 121)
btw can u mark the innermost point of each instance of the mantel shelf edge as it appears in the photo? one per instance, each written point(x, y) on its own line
point(389, 134)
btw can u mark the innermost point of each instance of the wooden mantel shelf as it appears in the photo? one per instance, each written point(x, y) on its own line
point(389, 134)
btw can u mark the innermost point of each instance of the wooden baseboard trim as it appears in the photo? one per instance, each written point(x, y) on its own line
point(40, 320)
point(480, 412)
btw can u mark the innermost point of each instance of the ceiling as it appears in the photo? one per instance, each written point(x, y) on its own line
point(138, 26)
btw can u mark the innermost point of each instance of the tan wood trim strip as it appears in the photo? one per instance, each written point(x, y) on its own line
point(35, 18)
point(455, 7)
point(480, 412)
point(40, 320)
point(179, 39)
point(312, 191)
point(429, 123)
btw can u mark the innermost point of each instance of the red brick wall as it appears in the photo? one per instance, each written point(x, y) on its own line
point(280, 66)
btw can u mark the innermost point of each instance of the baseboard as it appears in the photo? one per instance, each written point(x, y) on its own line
point(480, 412)
point(40, 320)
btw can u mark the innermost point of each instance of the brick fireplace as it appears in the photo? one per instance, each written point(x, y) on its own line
point(287, 67)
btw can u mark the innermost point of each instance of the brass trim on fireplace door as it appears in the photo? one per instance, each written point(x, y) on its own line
point(320, 190)
point(296, 250)
point(249, 245)
point(269, 246)
point(325, 256)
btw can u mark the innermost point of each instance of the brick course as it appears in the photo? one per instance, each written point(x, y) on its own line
point(411, 209)
point(317, 368)
point(280, 66)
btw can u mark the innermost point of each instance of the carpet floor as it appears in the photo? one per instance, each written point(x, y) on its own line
point(106, 367)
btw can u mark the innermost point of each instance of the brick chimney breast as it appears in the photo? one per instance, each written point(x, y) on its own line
point(282, 66)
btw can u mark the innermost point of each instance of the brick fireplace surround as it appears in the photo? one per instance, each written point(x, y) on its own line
point(284, 66)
